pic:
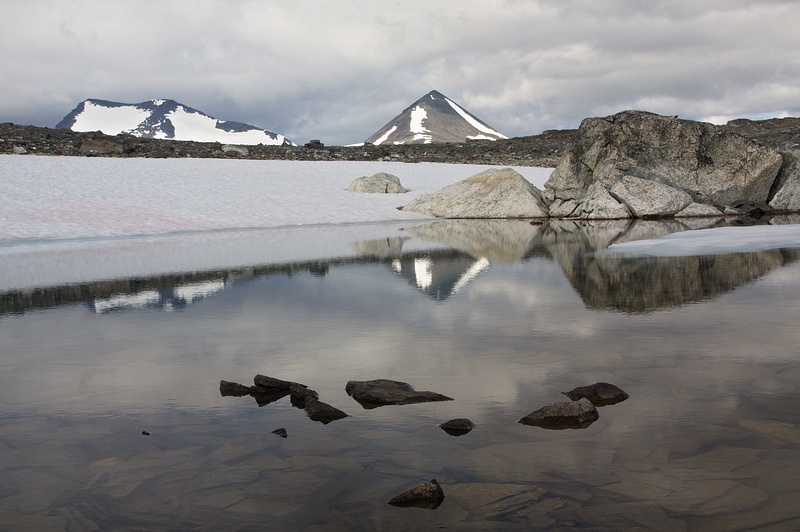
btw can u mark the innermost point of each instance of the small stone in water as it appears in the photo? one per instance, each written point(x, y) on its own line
point(281, 432)
point(145, 433)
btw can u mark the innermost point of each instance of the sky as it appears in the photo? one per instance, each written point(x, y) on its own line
point(339, 71)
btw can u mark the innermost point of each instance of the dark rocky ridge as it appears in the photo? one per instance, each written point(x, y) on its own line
point(544, 149)
point(538, 150)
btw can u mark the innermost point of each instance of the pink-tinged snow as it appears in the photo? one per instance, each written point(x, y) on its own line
point(109, 120)
point(474, 123)
point(71, 219)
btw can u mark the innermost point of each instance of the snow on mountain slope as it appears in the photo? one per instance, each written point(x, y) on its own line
point(163, 119)
point(434, 118)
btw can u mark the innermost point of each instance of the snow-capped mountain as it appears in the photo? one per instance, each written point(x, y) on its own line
point(163, 119)
point(434, 118)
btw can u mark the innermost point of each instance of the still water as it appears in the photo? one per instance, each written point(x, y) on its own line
point(500, 316)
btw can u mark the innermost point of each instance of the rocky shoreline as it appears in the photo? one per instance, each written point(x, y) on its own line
point(545, 149)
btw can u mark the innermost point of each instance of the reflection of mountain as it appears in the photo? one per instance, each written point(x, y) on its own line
point(605, 281)
point(439, 275)
point(167, 298)
point(642, 284)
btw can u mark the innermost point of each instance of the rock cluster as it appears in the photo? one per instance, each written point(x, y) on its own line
point(636, 165)
point(578, 413)
point(269, 389)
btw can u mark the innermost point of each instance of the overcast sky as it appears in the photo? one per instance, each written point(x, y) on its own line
point(338, 71)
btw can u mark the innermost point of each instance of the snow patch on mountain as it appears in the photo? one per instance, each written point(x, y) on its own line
point(475, 123)
point(163, 119)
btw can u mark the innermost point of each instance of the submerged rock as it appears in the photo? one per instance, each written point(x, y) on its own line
point(457, 427)
point(380, 392)
point(569, 415)
point(494, 193)
point(380, 183)
point(600, 394)
point(428, 495)
point(280, 432)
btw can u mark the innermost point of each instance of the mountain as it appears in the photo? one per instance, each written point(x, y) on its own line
point(163, 119)
point(434, 118)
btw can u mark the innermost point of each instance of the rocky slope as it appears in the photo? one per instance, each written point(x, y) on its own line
point(538, 150)
point(544, 149)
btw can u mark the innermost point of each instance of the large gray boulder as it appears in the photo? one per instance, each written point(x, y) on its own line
point(494, 193)
point(786, 191)
point(636, 164)
point(380, 183)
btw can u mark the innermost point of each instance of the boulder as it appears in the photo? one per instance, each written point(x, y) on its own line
point(494, 193)
point(263, 381)
point(428, 495)
point(380, 183)
point(457, 427)
point(233, 389)
point(380, 392)
point(600, 394)
point(786, 195)
point(571, 415)
point(636, 164)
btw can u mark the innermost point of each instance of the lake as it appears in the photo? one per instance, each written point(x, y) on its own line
point(501, 316)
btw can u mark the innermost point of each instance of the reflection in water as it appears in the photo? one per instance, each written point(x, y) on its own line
point(708, 440)
point(605, 281)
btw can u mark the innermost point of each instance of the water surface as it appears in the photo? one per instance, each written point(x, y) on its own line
point(500, 316)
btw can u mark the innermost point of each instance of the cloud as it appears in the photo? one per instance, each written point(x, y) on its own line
point(339, 71)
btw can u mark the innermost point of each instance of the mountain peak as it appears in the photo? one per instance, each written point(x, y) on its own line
point(434, 118)
point(163, 119)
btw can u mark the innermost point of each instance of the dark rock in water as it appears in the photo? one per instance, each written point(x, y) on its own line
point(457, 427)
point(573, 415)
point(233, 389)
point(380, 392)
point(428, 495)
point(299, 392)
point(281, 432)
point(600, 394)
point(145, 433)
point(263, 381)
point(322, 412)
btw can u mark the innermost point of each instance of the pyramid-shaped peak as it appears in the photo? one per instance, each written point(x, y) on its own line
point(434, 118)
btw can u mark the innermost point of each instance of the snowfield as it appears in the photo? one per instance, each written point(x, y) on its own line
point(73, 219)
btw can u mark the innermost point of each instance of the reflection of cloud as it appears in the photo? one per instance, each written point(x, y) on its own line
point(496, 240)
point(379, 247)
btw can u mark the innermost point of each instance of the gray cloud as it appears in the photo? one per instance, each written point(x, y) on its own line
point(339, 71)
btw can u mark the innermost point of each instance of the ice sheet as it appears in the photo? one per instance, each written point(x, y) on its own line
point(714, 241)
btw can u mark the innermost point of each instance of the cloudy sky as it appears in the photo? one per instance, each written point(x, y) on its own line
point(338, 71)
